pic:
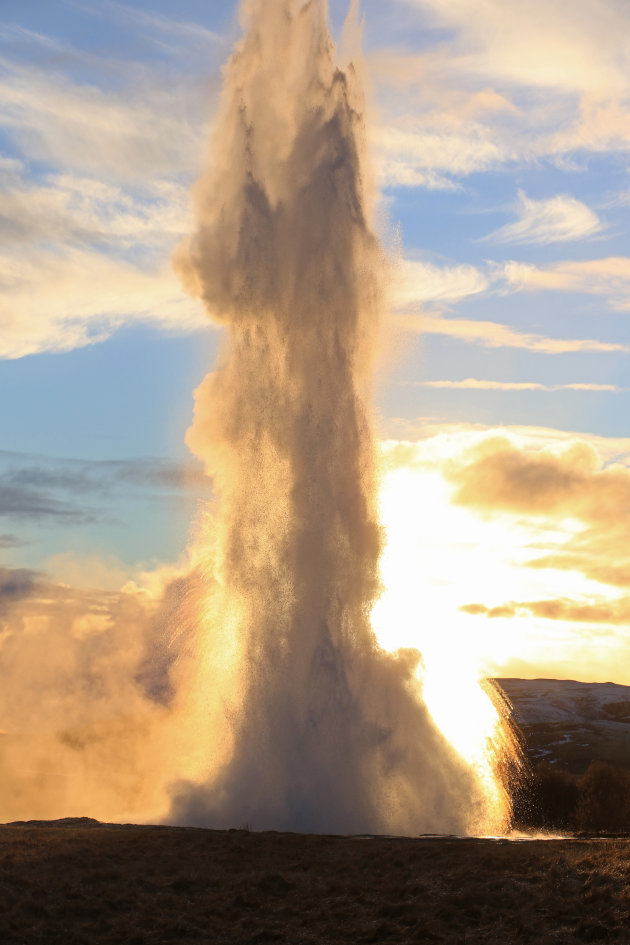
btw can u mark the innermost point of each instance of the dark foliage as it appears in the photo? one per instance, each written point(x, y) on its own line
point(546, 797)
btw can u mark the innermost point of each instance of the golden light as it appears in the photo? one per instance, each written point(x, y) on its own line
point(440, 557)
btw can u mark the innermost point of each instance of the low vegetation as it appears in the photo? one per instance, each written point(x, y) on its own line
point(98, 885)
point(549, 797)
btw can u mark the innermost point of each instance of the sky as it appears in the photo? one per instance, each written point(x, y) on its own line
point(500, 142)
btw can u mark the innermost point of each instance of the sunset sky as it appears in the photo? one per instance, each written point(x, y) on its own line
point(500, 139)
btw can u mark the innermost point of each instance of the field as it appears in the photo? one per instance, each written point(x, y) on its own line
point(87, 884)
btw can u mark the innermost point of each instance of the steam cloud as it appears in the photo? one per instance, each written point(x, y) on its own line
point(309, 725)
point(249, 687)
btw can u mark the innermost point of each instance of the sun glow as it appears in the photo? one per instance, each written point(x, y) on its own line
point(423, 540)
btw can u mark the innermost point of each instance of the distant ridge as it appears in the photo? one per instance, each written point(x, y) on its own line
point(571, 723)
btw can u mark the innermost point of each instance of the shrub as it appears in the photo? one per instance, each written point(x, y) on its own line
point(604, 801)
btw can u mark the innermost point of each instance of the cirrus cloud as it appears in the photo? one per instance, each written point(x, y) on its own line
point(555, 220)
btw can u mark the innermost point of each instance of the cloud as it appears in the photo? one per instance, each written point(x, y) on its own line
point(68, 209)
point(560, 45)
point(21, 502)
point(415, 154)
point(16, 584)
point(416, 281)
point(60, 300)
point(609, 277)
point(64, 278)
point(45, 490)
point(170, 33)
point(568, 487)
point(612, 613)
point(498, 475)
point(557, 219)
point(496, 335)
point(122, 136)
point(85, 247)
point(473, 383)
point(506, 88)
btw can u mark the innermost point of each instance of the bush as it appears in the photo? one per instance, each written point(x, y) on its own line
point(549, 798)
point(604, 802)
point(546, 799)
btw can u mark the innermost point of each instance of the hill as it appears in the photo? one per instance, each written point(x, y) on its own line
point(572, 724)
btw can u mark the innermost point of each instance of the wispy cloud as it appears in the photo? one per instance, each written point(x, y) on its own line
point(68, 491)
point(412, 153)
point(418, 282)
point(496, 335)
point(473, 383)
point(22, 502)
point(60, 300)
point(115, 135)
point(612, 613)
point(608, 277)
point(556, 220)
point(580, 47)
point(506, 89)
point(169, 29)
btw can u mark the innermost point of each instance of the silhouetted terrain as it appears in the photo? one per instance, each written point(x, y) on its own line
point(576, 737)
point(92, 885)
point(572, 724)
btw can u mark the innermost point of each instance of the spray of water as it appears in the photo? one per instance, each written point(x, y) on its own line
point(306, 722)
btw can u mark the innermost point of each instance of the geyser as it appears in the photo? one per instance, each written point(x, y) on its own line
point(303, 721)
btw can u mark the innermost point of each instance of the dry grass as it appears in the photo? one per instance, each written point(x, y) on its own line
point(145, 885)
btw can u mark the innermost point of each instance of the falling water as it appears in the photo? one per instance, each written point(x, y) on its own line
point(304, 722)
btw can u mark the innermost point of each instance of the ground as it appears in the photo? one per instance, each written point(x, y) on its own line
point(91, 884)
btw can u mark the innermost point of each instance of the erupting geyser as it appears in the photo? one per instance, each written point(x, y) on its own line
point(304, 722)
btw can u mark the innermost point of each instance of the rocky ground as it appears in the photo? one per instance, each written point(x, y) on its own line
point(86, 884)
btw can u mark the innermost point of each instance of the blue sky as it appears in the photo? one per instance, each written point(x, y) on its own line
point(501, 148)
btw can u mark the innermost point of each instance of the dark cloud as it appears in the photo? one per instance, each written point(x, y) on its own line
point(16, 584)
point(41, 489)
point(100, 475)
point(24, 501)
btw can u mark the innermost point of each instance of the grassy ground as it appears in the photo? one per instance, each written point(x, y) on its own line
point(134, 885)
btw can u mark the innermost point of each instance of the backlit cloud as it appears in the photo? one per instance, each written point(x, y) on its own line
point(527, 528)
point(613, 613)
point(567, 487)
point(561, 45)
point(499, 475)
point(553, 78)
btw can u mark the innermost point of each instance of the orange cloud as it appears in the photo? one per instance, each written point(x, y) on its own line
point(604, 612)
point(498, 475)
